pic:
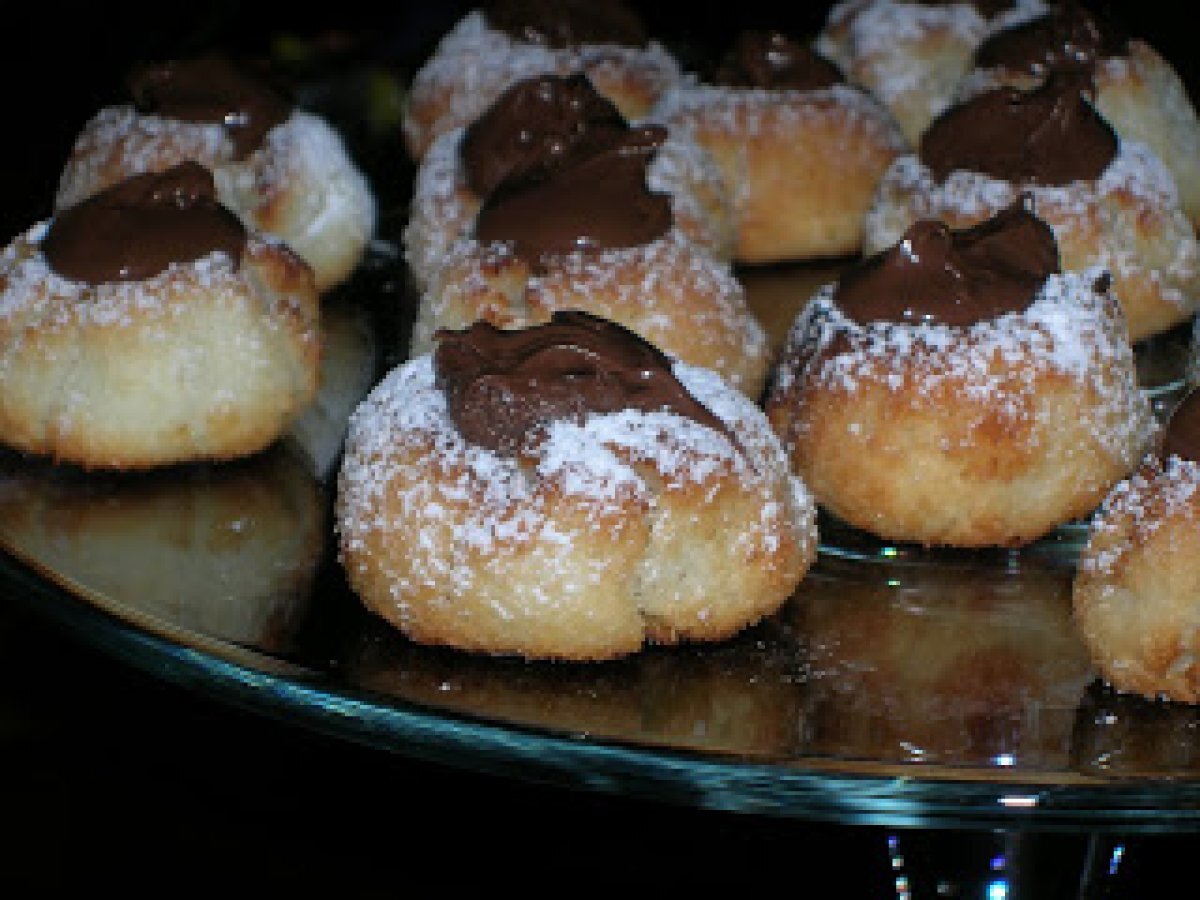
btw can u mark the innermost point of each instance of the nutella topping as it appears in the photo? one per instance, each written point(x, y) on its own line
point(1066, 37)
point(567, 23)
point(1181, 437)
point(536, 122)
point(140, 226)
point(501, 386)
point(595, 199)
point(212, 89)
point(935, 275)
point(772, 60)
point(1048, 136)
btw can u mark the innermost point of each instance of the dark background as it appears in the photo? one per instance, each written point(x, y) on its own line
point(108, 769)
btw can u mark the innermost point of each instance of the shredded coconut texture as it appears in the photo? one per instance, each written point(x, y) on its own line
point(443, 207)
point(32, 294)
point(404, 422)
point(473, 63)
point(1069, 330)
point(669, 291)
point(1150, 497)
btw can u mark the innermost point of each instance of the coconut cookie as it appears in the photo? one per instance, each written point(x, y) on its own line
point(800, 149)
point(503, 42)
point(146, 326)
point(538, 122)
point(959, 389)
point(911, 56)
point(1136, 596)
point(285, 171)
point(566, 491)
point(1131, 85)
point(1111, 202)
point(585, 231)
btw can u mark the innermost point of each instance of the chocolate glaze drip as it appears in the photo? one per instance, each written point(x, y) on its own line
point(535, 123)
point(1068, 36)
point(935, 275)
point(502, 386)
point(594, 199)
point(567, 23)
point(212, 89)
point(138, 227)
point(1050, 135)
point(1181, 437)
point(772, 60)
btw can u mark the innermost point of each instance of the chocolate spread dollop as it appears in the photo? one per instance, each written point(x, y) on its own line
point(1050, 135)
point(501, 386)
point(775, 61)
point(567, 23)
point(595, 198)
point(1181, 437)
point(536, 122)
point(212, 89)
point(139, 227)
point(1067, 36)
point(937, 275)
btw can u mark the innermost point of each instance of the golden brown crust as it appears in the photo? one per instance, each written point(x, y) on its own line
point(611, 534)
point(670, 292)
point(300, 186)
point(990, 435)
point(473, 64)
point(198, 362)
point(802, 165)
point(1128, 221)
point(1137, 583)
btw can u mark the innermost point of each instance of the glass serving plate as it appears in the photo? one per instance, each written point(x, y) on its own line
point(898, 686)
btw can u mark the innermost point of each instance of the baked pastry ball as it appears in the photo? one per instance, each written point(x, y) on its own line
point(912, 55)
point(1131, 85)
point(506, 41)
point(146, 326)
point(1111, 202)
point(285, 171)
point(800, 150)
point(536, 122)
point(566, 491)
point(1136, 597)
point(586, 232)
point(959, 389)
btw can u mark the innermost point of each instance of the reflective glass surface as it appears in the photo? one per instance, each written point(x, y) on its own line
point(898, 685)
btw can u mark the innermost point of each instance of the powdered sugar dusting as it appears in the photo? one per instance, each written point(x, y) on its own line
point(473, 64)
point(443, 208)
point(1070, 330)
point(120, 141)
point(669, 291)
point(1106, 212)
point(32, 294)
point(401, 434)
point(751, 111)
point(1156, 493)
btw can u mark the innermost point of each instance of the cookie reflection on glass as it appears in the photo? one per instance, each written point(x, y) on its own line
point(738, 697)
point(940, 665)
point(1126, 735)
point(226, 552)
